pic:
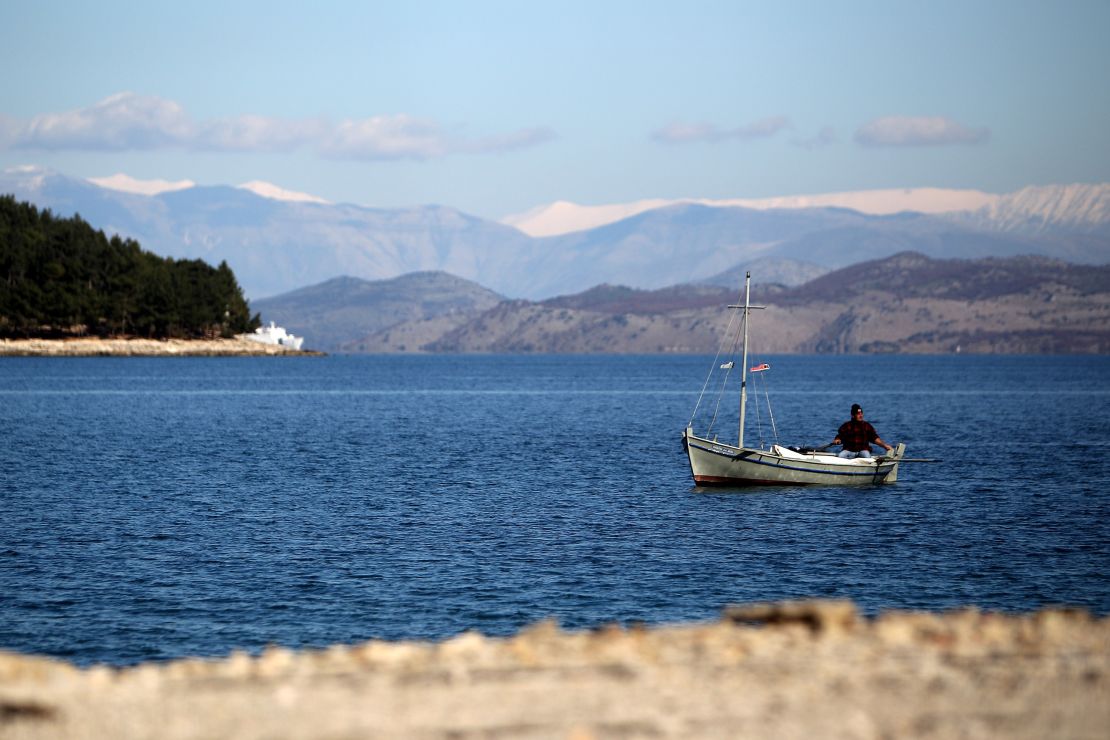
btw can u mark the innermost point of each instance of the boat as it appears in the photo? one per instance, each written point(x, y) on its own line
point(714, 462)
point(274, 334)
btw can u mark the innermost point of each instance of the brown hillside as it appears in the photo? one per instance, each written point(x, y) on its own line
point(905, 303)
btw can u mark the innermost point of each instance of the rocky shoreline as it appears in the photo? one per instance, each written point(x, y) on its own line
point(95, 347)
point(784, 670)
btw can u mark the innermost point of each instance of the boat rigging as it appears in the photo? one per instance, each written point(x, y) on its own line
point(717, 463)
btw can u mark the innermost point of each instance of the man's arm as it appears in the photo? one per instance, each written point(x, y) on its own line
point(875, 438)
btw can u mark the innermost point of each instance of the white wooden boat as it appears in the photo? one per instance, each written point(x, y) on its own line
point(717, 463)
point(714, 463)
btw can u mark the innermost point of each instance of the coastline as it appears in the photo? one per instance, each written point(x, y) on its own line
point(96, 347)
point(786, 670)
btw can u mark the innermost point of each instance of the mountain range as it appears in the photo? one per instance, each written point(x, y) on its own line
point(1079, 206)
point(341, 310)
point(277, 241)
point(904, 303)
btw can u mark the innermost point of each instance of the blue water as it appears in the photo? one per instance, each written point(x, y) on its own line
point(156, 508)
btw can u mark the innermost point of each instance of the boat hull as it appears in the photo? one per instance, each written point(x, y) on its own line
point(713, 463)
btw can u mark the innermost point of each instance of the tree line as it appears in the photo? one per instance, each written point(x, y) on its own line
point(61, 277)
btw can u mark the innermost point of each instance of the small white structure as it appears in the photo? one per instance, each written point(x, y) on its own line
point(274, 334)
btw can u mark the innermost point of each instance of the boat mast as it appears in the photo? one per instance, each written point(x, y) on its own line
point(744, 366)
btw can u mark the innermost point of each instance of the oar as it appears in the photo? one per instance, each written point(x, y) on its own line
point(911, 459)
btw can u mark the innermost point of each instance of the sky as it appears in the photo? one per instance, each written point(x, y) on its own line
point(495, 108)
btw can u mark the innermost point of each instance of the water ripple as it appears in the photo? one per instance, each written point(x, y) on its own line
point(157, 509)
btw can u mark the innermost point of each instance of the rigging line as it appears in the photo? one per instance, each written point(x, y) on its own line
point(724, 381)
point(765, 385)
point(713, 368)
point(755, 406)
point(757, 380)
point(717, 406)
point(770, 413)
point(720, 346)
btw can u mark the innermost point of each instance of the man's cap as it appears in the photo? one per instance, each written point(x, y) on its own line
point(856, 407)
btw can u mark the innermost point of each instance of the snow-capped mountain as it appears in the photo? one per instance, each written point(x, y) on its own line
point(277, 240)
point(1082, 208)
point(269, 190)
point(564, 217)
point(127, 184)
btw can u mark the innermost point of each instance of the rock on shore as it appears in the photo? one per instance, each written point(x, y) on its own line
point(785, 670)
point(94, 347)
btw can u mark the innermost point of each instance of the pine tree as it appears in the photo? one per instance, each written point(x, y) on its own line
point(60, 277)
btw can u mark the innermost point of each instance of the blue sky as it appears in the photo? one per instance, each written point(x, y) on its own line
point(497, 107)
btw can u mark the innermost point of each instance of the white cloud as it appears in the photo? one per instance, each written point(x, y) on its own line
point(918, 131)
point(122, 121)
point(127, 121)
point(386, 137)
point(257, 134)
point(406, 137)
point(682, 133)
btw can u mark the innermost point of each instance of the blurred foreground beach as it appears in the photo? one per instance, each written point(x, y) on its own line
point(783, 670)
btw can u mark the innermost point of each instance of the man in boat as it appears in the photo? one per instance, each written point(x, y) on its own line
point(856, 435)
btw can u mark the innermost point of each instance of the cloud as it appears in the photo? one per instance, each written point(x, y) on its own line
point(683, 133)
point(128, 122)
point(406, 137)
point(522, 139)
point(386, 137)
point(119, 122)
point(918, 131)
point(825, 137)
point(257, 134)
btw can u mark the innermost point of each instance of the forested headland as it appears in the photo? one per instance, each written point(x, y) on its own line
point(60, 277)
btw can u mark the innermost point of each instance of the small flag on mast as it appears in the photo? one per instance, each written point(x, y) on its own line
point(761, 368)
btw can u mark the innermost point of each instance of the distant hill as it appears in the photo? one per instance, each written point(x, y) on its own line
point(904, 303)
point(338, 311)
point(769, 270)
point(621, 299)
point(913, 275)
point(276, 246)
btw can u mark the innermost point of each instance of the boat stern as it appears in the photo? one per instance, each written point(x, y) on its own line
point(899, 451)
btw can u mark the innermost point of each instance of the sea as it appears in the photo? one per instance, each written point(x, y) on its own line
point(155, 508)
